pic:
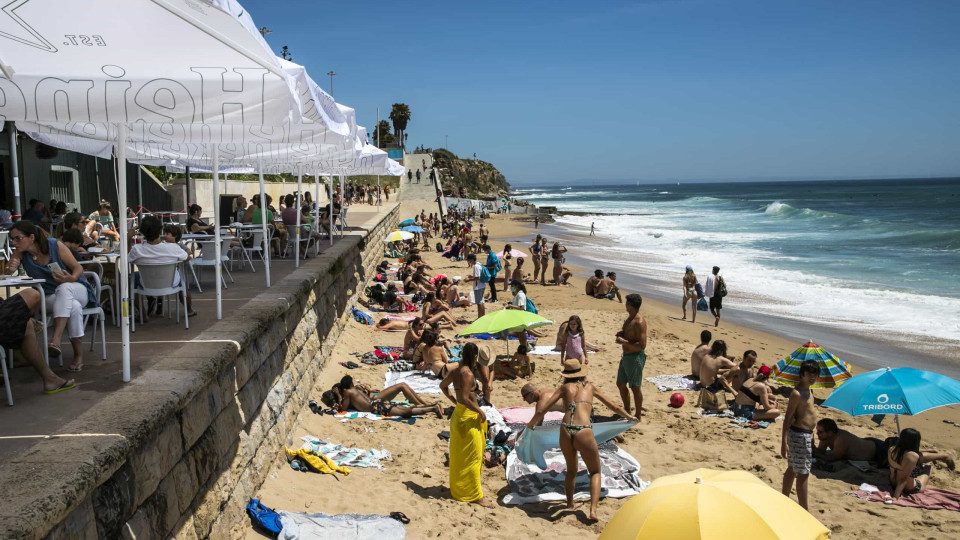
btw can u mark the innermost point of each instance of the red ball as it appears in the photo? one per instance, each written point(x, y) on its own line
point(676, 400)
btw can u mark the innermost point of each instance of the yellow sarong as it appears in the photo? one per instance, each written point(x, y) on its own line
point(319, 462)
point(467, 441)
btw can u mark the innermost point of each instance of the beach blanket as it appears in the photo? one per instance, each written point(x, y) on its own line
point(495, 422)
point(531, 484)
point(406, 318)
point(522, 415)
point(349, 457)
point(545, 350)
point(667, 383)
point(929, 498)
point(303, 526)
point(361, 317)
point(353, 415)
point(725, 413)
point(318, 462)
point(416, 380)
point(533, 443)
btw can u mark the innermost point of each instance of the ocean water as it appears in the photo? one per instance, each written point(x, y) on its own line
point(879, 258)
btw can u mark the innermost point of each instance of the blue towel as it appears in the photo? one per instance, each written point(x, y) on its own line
point(534, 442)
point(264, 518)
point(361, 317)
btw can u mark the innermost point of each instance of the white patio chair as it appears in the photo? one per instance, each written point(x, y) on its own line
point(208, 257)
point(305, 238)
point(159, 280)
point(98, 312)
point(255, 247)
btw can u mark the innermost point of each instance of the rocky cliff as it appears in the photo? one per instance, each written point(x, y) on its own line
point(469, 178)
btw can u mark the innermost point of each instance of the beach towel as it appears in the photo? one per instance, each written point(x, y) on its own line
point(467, 442)
point(522, 415)
point(303, 526)
point(545, 350)
point(495, 422)
point(416, 380)
point(929, 498)
point(318, 462)
point(667, 383)
point(347, 457)
point(406, 318)
point(353, 415)
point(725, 413)
point(534, 443)
point(528, 483)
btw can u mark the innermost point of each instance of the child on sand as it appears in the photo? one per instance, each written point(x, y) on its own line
point(797, 437)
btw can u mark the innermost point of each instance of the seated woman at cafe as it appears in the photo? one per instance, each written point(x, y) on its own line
point(195, 225)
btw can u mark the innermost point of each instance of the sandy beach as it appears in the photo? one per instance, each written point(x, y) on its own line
point(668, 441)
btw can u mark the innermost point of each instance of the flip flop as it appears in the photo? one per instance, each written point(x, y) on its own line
point(400, 516)
point(67, 385)
point(54, 351)
point(77, 369)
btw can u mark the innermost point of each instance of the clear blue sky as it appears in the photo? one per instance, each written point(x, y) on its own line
point(559, 91)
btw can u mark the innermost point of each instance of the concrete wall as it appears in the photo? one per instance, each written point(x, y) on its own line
point(188, 442)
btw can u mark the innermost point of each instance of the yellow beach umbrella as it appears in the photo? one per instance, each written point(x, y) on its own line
point(707, 504)
point(398, 236)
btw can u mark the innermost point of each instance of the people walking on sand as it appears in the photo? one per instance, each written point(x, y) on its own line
point(689, 284)
point(493, 267)
point(418, 176)
point(712, 290)
point(576, 429)
point(633, 340)
point(535, 255)
point(796, 444)
point(593, 231)
point(468, 429)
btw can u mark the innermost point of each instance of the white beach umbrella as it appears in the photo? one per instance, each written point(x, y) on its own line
point(217, 70)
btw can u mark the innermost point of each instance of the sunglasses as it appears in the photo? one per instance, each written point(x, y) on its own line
point(16, 238)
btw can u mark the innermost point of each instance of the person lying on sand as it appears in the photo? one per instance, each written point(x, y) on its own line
point(607, 288)
point(835, 444)
point(388, 324)
point(345, 395)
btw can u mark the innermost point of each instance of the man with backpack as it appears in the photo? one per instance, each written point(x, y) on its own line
point(715, 290)
point(493, 267)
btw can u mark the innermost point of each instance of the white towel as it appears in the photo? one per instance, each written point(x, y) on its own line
point(667, 383)
point(418, 382)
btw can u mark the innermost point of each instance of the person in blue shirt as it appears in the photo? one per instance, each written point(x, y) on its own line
point(493, 265)
point(35, 213)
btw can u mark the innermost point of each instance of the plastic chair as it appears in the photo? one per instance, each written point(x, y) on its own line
point(255, 247)
point(305, 238)
point(159, 280)
point(98, 312)
point(208, 257)
point(98, 266)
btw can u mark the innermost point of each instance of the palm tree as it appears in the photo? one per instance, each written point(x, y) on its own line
point(382, 135)
point(400, 115)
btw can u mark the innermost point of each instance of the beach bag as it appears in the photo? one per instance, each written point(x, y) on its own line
point(721, 287)
point(699, 290)
point(485, 275)
point(712, 402)
point(263, 518)
point(439, 247)
point(531, 307)
point(702, 304)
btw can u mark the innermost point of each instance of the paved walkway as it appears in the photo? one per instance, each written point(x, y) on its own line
point(35, 415)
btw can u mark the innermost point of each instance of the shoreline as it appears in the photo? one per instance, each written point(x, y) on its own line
point(853, 347)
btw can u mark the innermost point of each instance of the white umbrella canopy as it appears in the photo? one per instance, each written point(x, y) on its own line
point(217, 70)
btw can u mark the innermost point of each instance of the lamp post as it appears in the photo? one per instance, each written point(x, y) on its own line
point(332, 74)
point(446, 142)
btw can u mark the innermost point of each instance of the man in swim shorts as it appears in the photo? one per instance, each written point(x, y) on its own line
point(633, 339)
point(835, 444)
point(797, 437)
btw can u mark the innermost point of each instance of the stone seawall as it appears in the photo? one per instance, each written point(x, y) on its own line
point(187, 443)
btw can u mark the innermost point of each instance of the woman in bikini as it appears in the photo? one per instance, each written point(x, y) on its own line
point(436, 311)
point(689, 284)
point(573, 343)
point(412, 337)
point(576, 430)
point(910, 469)
point(535, 255)
point(755, 400)
point(431, 355)
point(544, 261)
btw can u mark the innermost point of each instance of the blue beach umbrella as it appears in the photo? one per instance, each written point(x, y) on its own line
point(894, 391)
point(406, 222)
point(412, 228)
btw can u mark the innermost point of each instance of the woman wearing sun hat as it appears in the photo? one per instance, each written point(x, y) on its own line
point(576, 431)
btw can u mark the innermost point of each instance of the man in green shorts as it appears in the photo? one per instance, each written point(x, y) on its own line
point(633, 339)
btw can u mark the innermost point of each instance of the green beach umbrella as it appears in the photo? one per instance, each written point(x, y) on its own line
point(505, 322)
